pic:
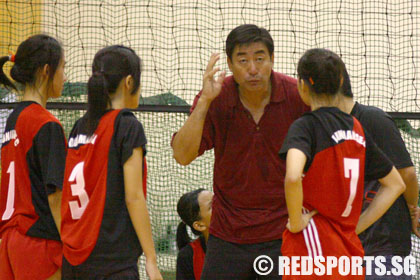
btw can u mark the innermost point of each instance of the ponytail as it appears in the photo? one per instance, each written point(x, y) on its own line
point(182, 237)
point(98, 100)
point(110, 65)
point(4, 80)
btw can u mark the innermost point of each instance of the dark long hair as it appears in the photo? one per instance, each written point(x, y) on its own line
point(188, 209)
point(322, 70)
point(110, 65)
point(32, 54)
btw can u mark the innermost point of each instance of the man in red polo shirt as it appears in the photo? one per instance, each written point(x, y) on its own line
point(245, 118)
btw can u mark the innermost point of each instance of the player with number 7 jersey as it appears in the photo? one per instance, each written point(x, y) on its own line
point(337, 151)
point(328, 156)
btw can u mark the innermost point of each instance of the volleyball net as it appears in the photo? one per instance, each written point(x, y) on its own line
point(378, 40)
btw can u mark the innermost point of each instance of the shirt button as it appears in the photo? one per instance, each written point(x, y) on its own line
point(258, 127)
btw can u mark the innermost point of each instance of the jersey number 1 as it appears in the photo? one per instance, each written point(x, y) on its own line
point(10, 193)
point(78, 189)
point(351, 170)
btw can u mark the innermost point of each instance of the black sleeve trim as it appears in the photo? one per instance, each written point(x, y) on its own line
point(50, 152)
point(129, 135)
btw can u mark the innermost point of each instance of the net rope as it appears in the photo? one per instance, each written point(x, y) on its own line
point(378, 40)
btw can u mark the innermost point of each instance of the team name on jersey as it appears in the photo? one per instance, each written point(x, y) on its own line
point(82, 139)
point(348, 135)
point(9, 135)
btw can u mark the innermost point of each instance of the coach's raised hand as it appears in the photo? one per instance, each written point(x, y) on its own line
point(186, 142)
point(211, 86)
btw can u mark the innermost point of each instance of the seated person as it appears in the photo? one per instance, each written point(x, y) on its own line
point(194, 208)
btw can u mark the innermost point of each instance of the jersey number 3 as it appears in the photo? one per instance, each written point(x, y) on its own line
point(10, 204)
point(351, 170)
point(78, 189)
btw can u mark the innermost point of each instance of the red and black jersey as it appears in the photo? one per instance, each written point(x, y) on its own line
point(96, 228)
point(32, 164)
point(340, 155)
point(190, 260)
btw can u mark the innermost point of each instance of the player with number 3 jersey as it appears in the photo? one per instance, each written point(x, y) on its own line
point(105, 224)
point(333, 154)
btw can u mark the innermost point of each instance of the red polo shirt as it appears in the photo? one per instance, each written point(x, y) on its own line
point(249, 204)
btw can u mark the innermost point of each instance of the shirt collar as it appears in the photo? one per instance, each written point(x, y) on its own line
point(354, 109)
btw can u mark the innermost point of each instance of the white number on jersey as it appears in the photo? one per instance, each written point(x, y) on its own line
point(78, 189)
point(351, 170)
point(10, 193)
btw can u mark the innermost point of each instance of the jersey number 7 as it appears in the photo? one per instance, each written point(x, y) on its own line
point(351, 170)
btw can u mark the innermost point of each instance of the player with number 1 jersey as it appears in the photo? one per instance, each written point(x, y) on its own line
point(33, 141)
point(33, 156)
point(33, 138)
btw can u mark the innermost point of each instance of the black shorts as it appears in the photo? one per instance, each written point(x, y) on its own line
point(81, 272)
point(226, 260)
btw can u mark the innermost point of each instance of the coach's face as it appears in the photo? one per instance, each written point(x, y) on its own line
point(251, 66)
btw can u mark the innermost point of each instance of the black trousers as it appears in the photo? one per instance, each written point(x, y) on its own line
point(226, 260)
point(70, 272)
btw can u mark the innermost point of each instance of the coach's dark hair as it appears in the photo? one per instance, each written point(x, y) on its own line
point(31, 55)
point(188, 210)
point(346, 86)
point(322, 70)
point(247, 34)
point(110, 65)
